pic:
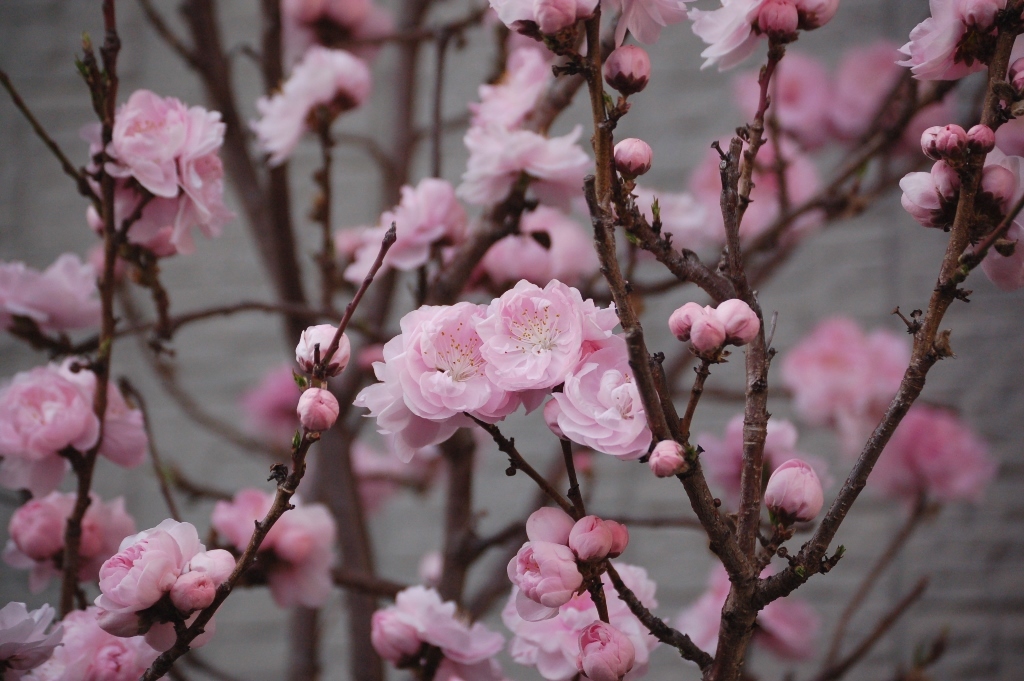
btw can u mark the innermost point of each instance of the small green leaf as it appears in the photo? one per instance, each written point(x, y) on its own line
point(296, 440)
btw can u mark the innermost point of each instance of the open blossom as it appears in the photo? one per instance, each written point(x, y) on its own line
point(546, 575)
point(508, 102)
point(553, 645)
point(24, 643)
point(550, 16)
point(41, 413)
point(332, 23)
point(298, 551)
point(787, 627)
point(606, 654)
point(60, 298)
point(420, 616)
point(600, 405)
point(549, 524)
point(644, 19)
point(432, 373)
point(954, 41)
point(933, 452)
point(497, 158)
point(88, 653)
point(428, 215)
point(801, 94)
point(37, 536)
point(533, 337)
point(148, 137)
point(931, 197)
point(550, 245)
point(330, 78)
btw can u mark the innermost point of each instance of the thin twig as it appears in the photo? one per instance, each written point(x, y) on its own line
point(158, 467)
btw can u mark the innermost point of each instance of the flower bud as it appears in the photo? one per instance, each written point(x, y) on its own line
point(944, 142)
point(632, 157)
point(1016, 74)
point(981, 139)
point(778, 18)
point(37, 529)
point(620, 538)
point(392, 637)
point(547, 577)
point(193, 591)
point(590, 539)
point(707, 334)
point(667, 459)
point(628, 69)
point(606, 654)
point(999, 182)
point(549, 524)
point(816, 13)
point(554, 15)
point(740, 322)
point(681, 321)
point(322, 335)
point(794, 492)
point(317, 409)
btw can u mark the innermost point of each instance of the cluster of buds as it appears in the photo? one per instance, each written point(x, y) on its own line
point(780, 19)
point(709, 329)
point(318, 408)
point(950, 143)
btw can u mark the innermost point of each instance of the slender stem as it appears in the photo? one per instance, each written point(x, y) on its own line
point(154, 453)
point(437, 124)
point(347, 579)
point(458, 540)
point(698, 389)
point(322, 209)
point(575, 496)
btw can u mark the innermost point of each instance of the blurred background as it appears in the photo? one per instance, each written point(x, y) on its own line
point(861, 268)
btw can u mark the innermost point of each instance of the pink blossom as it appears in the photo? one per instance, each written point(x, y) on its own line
point(61, 298)
point(24, 643)
point(547, 577)
point(428, 215)
point(343, 12)
point(197, 586)
point(269, 407)
point(600, 406)
point(632, 157)
point(843, 377)
point(331, 78)
point(666, 459)
point(741, 323)
point(931, 197)
point(41, 413)
point(778, 19)
point(708, 328)
point(533, 337)
point(37, 536)
point(551, 16)
point(321, 335)
point(88, 653)
point(550, 245)
point(981, 139)
point(419, 616)
point(628, 69)
point(728, 32)
point(1007, 272)
point(683, 218)
point(620, 537)
point(802, 98)
point(944, 142)
point(644, 19)
point(590, 538)
point(794, 492)
point(333, 23)
point(498, 157)
point(552, 646)
point(933, 452)
point(953, 41)
point(299, 548)
point(509, 101)
point(149, 134)
point(549, 524)
point(606, 654)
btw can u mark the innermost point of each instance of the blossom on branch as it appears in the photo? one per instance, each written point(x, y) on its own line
point(956, 40)
point(24, 643)
point(60, 298)
point(644, 19)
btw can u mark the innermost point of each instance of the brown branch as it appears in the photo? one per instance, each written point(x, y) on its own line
point(159, 469)
point(459, 537)
point(376, 586)
point(321, 213)
point(170, 38)
point(703, 371)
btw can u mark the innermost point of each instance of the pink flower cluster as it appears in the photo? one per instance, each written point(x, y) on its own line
point(787, 627)
point(419, 617)
point(545, 569)
point(60, 298)
point(333, 79)
point(709, 328)
point(88, 653)
point(36, 540)
point(844, 378)
point(554, 645)
point(956, 40)
point(934, 453)
point(550, 16)
point(733, 30)
point(171, 151)
point(49, 408)
point(298, 552)
point(24, 643)
point(166, 564)
point(428, 216)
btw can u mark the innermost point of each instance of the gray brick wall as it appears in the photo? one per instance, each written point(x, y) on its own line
point(863, 268)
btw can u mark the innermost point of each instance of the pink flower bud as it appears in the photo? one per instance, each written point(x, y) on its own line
point(740, 322)
point(549, 524)
point(317, 409)
point(554, 15)
point(999, 182)
point(981, 139)
point(632, 157)
point(816, 13)
point(681, 321)
point(606, 654)
point(778, 18)
point(944, 142)
point(193, 591)
point(217, 563)
point(590, 539)
point(979, 13)
point(628, 69)
point(620, 538)
point(322, 335)
point(1016, 74)
point(667, 459)
point(547, 577)
point(37, 529)
point(392, 636)
point(707, 334)
point(794, 492)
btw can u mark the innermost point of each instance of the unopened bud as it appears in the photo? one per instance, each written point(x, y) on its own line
point(981, 139)
point(628, 69)
point(794, 492)
point(944, 142)
point(667, 459)
point(816, 13)
point(633, 157)
point(778, 18)
point(1016, 74)
point(554, 15)
point(318, 409)
point(307, 353)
